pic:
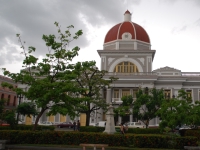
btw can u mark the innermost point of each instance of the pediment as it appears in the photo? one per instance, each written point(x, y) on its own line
point(167, 69)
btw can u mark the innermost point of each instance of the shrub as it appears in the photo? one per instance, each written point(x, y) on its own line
point(28, 127)
point(91, 129)
point(75, 138)
point(193, 132)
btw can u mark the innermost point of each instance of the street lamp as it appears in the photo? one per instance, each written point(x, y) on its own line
point(19, 97)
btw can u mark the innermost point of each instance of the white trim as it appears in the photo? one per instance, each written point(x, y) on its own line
point(119, 30)
point(134, 30)
point(120, 40)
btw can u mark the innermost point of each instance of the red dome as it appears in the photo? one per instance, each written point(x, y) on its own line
point(137, 32)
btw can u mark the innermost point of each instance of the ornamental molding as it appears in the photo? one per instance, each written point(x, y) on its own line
point(110, 60)
point(141, 60)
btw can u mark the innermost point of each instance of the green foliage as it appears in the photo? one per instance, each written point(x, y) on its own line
point(124, 108)
point(51, 79)
point(147, 104)
point(130, 130)
point(28, 127)
point(91, 129)
point(193, 132)
point(27, 108)
point(178, 111)
point(75, 138)
point(142, 131)
point(91, 83)
point(9, 117)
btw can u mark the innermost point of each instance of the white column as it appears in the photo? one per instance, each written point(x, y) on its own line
point(108, 96)
point(119, 120)
point(131, 116)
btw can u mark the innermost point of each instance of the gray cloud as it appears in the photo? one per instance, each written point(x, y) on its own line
point(177, 30)
point(32, 19)
point(197, 22)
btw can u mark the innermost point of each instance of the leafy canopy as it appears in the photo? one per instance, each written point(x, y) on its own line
point(148, 102)
point(49, 82)
point(92, 83)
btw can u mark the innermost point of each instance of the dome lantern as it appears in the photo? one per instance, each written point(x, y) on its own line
point(127, 16)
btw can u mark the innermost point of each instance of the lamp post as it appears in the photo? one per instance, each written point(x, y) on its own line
point(19, 101)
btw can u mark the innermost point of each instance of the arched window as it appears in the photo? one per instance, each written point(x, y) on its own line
point(8, 102)
point(14, 102)
point(126, 67)
point(2, 96)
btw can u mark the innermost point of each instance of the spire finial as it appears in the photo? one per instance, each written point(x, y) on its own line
point(127, 16)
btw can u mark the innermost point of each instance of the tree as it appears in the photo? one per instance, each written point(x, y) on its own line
point(7, 115)
point(169, 114)
point(92, 83)
point(148, 102)
point(178, 111)
point(124, 108)
point(49, 81)
point(27, 108)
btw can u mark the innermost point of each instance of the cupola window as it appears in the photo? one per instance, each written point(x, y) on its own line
point(126, 67)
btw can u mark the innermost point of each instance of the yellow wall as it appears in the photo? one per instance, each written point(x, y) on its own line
point(28, 120)
point(51, 118)
point(62, 118)
point(83, 119)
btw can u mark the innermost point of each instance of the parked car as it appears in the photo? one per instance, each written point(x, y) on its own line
point(46, 123)
point(65, 125)
point(93, 124)
point(182, 127)
point(4, 124)
point(135, 125)
point(101, 124)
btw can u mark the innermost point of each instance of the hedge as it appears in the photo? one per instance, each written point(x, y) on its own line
point(130, 130)
point(28, 127)
point(75, 138)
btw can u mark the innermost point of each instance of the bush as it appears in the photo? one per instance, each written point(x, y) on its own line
point(27, 127)
point(75, 138)
point(193, 132)
point(91, 129)
point(144, 131)
point(130, 130)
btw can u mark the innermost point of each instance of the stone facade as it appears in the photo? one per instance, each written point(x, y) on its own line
point(167, 78)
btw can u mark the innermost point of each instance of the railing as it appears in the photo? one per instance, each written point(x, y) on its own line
point(195, 74)
point(129, 74)
point(118, 100)
point(191, 74)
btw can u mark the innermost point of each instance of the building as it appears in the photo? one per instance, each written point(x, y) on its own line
point(7, 94)
point(127, 54)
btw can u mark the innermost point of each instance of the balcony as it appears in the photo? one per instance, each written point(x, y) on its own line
point(118, 100)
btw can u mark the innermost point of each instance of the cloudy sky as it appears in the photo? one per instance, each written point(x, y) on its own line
point(173, 27)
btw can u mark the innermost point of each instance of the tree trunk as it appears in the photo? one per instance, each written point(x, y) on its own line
point(37, 118)
point(147, 124)
point(87, 118)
